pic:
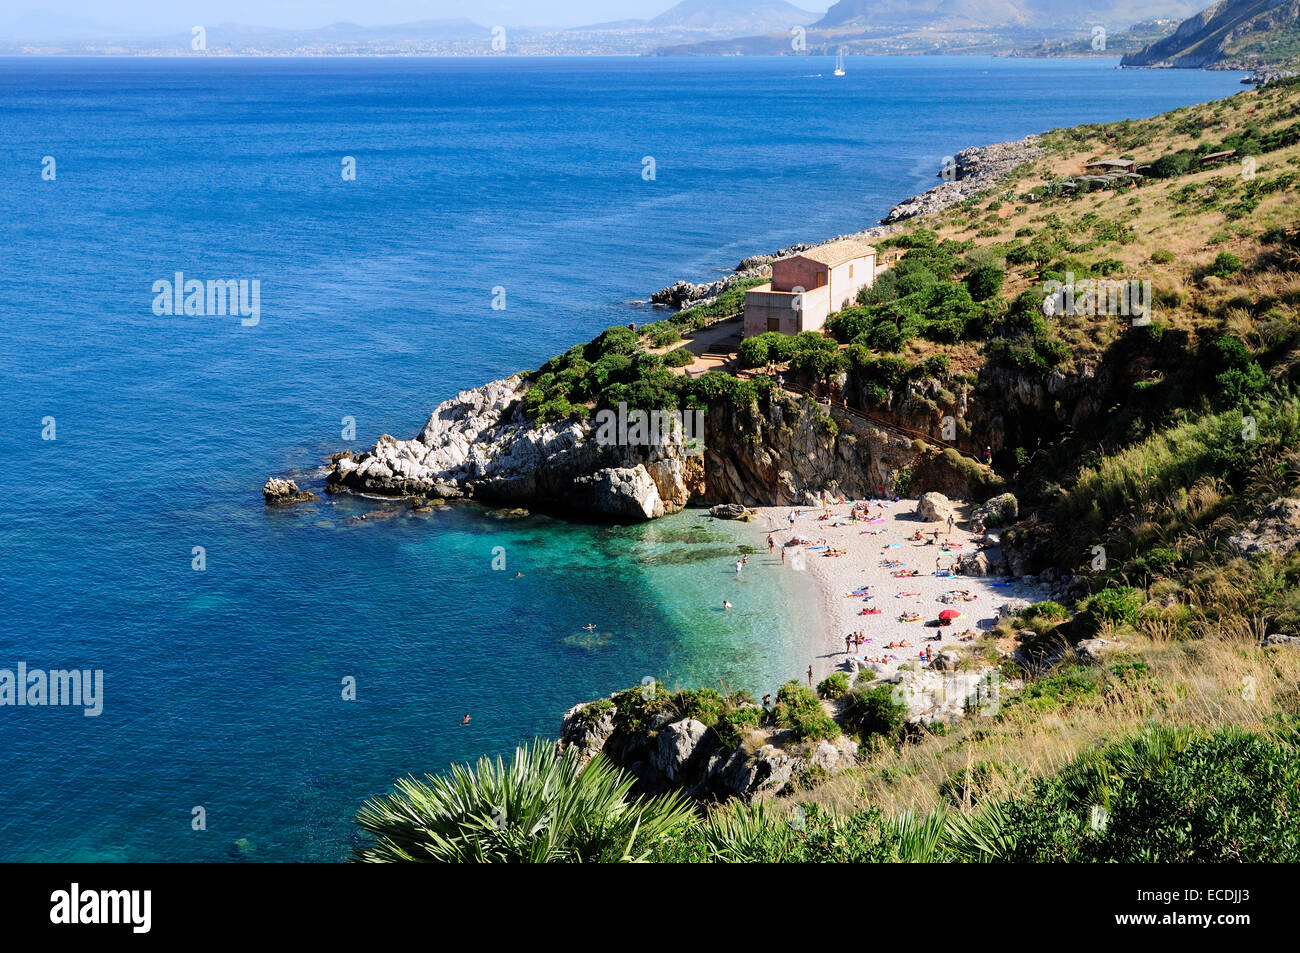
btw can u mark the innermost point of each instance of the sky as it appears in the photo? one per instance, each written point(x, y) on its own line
point(55, 18)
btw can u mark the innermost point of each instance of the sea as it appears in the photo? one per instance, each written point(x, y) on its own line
point(414, 227)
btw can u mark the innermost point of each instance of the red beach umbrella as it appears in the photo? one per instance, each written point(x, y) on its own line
point(949, 614)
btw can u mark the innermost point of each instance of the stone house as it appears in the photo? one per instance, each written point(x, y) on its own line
point(809, 287)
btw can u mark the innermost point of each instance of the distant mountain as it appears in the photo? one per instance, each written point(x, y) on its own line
point(734, 17)
point(1238, 34)
point(1019, 27)
point(346, 35)
point(1114, 15)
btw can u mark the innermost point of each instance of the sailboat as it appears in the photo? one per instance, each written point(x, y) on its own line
point(839, 64)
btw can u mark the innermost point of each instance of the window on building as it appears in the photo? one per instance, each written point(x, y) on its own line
point(774, 324)
point(850, 271)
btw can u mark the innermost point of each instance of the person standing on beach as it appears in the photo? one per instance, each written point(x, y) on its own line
point(950, 522)
point(848, 643)
point(771, 544)
point(810, 676)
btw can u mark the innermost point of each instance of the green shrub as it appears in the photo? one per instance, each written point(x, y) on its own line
point(770, 346)
point(875, 711)
point(1117, 607)
point(985, 282)
point(798, 709)
point(1224, 265)
point(662, 333)
point(815, 726)
point(680, 357)
point(1047, 611)
point(835, 685)
point(616, 340)
point(1163, 797)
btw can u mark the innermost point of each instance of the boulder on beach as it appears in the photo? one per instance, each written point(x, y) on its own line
point(934, 508)
point(997, 511)
point(944, 662)
point(728, 511)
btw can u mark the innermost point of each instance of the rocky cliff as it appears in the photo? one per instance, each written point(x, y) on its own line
point(481, 445)
point(681, 753)
point(972, 171)
point(1234, 34)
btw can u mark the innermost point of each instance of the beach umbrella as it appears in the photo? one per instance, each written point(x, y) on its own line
point(949, 614)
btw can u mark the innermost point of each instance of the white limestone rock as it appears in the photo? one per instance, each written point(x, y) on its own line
point(934, 508)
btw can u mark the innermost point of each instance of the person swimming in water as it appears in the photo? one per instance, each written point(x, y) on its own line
point(465, 720)
point(726, 604)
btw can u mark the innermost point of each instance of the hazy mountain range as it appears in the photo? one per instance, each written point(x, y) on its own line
point(1242, 34)
point(1041, 27)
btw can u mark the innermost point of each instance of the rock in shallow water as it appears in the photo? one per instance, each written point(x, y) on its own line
point(278, 492)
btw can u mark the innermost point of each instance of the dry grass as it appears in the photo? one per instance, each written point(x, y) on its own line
point(1200, 684)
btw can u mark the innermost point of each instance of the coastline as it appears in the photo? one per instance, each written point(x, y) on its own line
point(974, 169)
point(866, 545)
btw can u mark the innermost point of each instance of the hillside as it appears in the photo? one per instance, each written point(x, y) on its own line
point(1024, 27)
point(734, 16)
point(1154, 456)
point(1234, 34)
point(1116, 15)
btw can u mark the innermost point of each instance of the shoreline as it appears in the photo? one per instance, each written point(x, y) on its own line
point(975, 169)
point(885, 536)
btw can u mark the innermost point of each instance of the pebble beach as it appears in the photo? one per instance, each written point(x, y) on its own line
point(862, 579)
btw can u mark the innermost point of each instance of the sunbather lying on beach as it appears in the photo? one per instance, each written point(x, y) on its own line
point(905, 573)
point(909, 617)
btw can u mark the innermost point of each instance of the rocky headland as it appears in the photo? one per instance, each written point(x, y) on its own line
point(481, 445)
point(972, 171)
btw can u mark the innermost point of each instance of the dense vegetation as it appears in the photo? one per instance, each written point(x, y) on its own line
point(1161, 796)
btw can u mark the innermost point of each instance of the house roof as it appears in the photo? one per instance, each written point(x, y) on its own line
point(833, 253)
point(1111, 163)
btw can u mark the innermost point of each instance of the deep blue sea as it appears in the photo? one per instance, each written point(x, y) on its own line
point(223, 687)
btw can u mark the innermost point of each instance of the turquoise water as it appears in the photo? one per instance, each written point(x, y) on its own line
point(223, 687)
